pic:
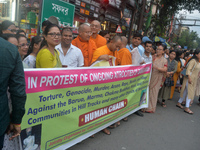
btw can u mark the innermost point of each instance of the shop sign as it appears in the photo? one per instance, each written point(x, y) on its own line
point(64, 11)
point(115, 3)
point(119, 30)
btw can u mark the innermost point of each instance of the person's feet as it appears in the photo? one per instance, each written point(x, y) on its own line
point(112, 126)
point(163, 104)
point(106, 131)
point(179, 106)
point(125, 119)
point(187, 110)
point(118, 123)
point(139, 113)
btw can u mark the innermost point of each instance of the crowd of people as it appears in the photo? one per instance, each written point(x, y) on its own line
point(56, 48)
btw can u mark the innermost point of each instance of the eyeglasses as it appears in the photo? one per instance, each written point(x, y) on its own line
point(54, 34)
point(23, 45)
point(12, 30)
point(88, 33)
point(94, 26)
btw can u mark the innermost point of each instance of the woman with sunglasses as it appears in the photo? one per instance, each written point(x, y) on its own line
point(30, 58)
point(48, 56)
point(7, 27)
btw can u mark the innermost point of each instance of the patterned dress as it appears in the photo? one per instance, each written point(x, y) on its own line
point(155, 82)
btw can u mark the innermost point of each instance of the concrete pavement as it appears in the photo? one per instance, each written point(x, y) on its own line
point(167, 129)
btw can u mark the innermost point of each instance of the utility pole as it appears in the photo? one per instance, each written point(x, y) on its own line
point(132, 21)
point(141, 21)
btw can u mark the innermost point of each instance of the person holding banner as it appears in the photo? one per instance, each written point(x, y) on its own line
point(70, 55)
point(104, 52)
point(110, 49)
point(136, 41)
point(12, 76)
point(85, 44)
point(98, 39)
point(124, 53)
point(48, 56)
point(158, 71)
point(125, 57)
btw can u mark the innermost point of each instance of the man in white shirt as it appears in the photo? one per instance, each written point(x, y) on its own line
point(147, 53)
point(70, 56)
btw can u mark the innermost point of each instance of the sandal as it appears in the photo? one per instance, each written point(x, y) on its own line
point(112, 126)
point(179, 106)
point(118, 123)
point(189, 112)
point(106, 131)
point(148, 112)
point(125, 119)
point(163, 104)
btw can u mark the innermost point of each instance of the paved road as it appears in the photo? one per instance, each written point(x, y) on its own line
point(168, 129)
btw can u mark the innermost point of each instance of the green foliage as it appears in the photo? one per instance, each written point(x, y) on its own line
point(189, 39)
point(169, 8)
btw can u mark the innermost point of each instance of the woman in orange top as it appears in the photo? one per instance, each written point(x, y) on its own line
point(177, 73)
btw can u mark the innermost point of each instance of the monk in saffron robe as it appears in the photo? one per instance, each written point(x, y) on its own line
point(104, 52)
point(110, 49)
point(124, 53)
point(98, 39)
point(85, 44)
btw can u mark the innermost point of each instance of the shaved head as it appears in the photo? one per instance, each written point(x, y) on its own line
point(85, 31)
point(116, 38)
point(95, 27)
point(83, 26)
point(97, 23)
point(115, 43)
point(124, 40)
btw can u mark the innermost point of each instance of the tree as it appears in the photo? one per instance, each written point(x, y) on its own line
point(169, 8)
point(189, 39)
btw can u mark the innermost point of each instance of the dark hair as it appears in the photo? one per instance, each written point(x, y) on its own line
point(46, 23)
point(194, 56)
point(46, 31)
point(186, 54)
point(19, 36)
point(192, 52)
point(103, 33)
point(19, 31)
point(66, 28)
point(162, 46)
point(178, 54)
point(34, 40)
point(137, 35)
point(7, 36)
point(4, 25)
point(148, 42)
point(172, 51)
point(154, 46)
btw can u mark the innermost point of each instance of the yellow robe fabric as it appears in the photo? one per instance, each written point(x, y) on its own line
point(104, 50)
point(99, 41)
point(125, 56)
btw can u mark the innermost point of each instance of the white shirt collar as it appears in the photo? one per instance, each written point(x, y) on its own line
point(59, 48)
